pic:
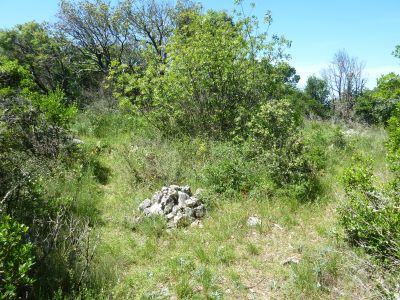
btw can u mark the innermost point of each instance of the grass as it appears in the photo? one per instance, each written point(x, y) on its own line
point(225, 258)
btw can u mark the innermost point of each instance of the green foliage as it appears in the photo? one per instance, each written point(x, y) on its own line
point(14, 79)
point(54, 108)
point(16, 258)
point(359, 175)
point(371, 215)
point(394, 141)
point(317, 93)
point(376, 106)
point(272, 125)
point(209, 76)
point(273, 133)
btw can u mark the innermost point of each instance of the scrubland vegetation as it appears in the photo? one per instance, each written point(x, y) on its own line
point(110, 103)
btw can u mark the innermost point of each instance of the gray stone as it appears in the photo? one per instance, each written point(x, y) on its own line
point(191, 202)
point(253, 221)
point(145, 204)
point(182, 197)
point(188, 211)
point(156, 197)
point(168, 208)
point(77, 141)
point(291, 261)
point(174, 187)
point(155, 209)
point(170, 216)
point(199, 211)
point(186, 189)
point(172, 197)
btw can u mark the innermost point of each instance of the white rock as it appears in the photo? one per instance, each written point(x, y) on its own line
point(253, 221)
point(156, 197)
point(182, 197)
point(145, 204)
point(186, 189)
point(191, 202)
point(199, 211)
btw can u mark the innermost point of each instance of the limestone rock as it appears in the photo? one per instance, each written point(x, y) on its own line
point(145, 204)
point(253, 221)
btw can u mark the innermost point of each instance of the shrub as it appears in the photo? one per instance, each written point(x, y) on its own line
point(394, 141)
point(274, 135)
point(16, 258)
point(370, 215)
point(376, 106)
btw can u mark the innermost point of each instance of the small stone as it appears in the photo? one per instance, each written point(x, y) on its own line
point(191, 202)
point(155, 209)
point(197, 223)
point(182, 197)
point(186, 189)
point(174, 187)
point(172, 197)
point(145, 204)
point(199, 211)
point(168, 208)
point(176, 208)
point(253, 221)
point(170, 216)
point(291, 261)
point(188, 211)
point(156, 197)
point(76, 141)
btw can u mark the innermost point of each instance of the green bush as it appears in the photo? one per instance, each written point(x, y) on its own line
point(376, 106)
point(371, 216)
point(16, 258)
point(273, 134)
point(394, 142)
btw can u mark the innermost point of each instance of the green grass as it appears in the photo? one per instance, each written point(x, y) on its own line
point(225, 258)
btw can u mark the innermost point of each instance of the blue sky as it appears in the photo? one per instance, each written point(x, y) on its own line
point(367, 29)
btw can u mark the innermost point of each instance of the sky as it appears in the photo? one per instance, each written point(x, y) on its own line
point(366, 29)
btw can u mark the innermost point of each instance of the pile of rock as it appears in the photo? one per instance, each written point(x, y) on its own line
point(176, 204)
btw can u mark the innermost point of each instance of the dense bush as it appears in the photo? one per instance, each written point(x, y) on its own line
point(274, 134)
point(394, 141)
point(370, 215)
point(16, 258)
point(42, 171)
point(376, 106)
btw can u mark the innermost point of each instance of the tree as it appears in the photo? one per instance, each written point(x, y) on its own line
point(346, 82)
point(99, 30)
point(316, 93)
point(376, 106)
point(151, 22)
point(32, 46)
point(49, 58)
point(317, 89)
